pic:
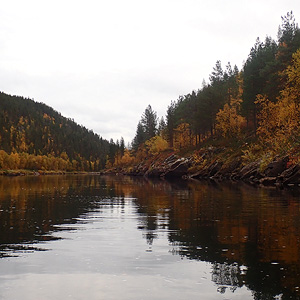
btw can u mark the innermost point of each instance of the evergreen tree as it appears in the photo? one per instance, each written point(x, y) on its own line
point(34, 128)
point(289, 43)
point(122, 146)
point(289, 30)
point(149, 122)
point(146, 128)
point(140, 136)
point(162, 126)
point(258, 74)
point(171, 121)
point(217, 73)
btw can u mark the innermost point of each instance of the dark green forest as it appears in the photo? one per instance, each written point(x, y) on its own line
point(256, 109)
point(35, 136)
point(260, 101)
point(262, 74)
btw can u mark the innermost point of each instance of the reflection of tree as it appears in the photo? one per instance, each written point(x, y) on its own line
point(227, 225)
point(31, 207)
point(150, 236)
point(226, 275)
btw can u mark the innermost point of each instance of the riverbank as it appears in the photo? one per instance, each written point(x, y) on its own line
point(40, 172)
point(215, 164)
point(212, 163)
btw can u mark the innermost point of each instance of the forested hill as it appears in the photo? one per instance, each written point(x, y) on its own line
point(238, 118)
point(236, 102)
point(35, 136)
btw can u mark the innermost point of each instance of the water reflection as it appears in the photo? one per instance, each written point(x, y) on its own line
point(31, 207)
point(251, 236)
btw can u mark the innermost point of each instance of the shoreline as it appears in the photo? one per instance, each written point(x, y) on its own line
point(15, 173)
point(279, 173)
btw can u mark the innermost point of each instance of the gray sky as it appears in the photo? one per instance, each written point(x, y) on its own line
point(102, 62)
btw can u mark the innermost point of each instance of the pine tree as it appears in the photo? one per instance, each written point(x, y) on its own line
point(162, 126)
point(140, 136)
point(149, 122)
point(146, 128)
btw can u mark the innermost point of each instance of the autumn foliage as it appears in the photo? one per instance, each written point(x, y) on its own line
point(229, 122)
point(156, 145)
point(279, 121)
point(256, 107)
point(259, 103)
point(34, 136)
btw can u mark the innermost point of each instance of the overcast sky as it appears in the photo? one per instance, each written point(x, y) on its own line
point(102, 62)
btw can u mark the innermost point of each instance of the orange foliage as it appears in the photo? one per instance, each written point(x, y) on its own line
point(24, 160)
point(183, 137)
point(156, 145)
point(126, 159)
point(279, 122)
point(121, 161)
point(229, 122)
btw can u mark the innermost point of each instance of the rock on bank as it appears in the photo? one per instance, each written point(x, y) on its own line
point(280, 172)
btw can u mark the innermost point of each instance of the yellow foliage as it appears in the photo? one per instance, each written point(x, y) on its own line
point(228, 120)
point(279, 122)
point(126, 159)
point(47, 117)
point(252, 153)
point(108, 163)
point(267, 117)
point(23, 147)
point(21, 121)
point(198, 159)
point(27, 161)
point(3, 159)
point(141, 154)
point(183, 136)
point(74, 165)
point(117, 159)
point(292, 90)
point(64, 156)
point(156, 145)
point(122, 161)
point(14, 160)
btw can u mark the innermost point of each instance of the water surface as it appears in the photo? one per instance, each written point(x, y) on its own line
point(95, 237)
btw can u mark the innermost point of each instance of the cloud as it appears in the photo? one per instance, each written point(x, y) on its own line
point(102, 62)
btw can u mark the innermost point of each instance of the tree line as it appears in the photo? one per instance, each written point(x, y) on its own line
point(262, 98)
point(35, 136)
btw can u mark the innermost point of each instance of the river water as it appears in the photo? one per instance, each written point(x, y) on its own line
point(102, 237)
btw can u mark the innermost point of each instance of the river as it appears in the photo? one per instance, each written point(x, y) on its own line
point(116, 237)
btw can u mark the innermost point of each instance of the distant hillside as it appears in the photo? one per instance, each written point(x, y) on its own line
point(38, 130)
